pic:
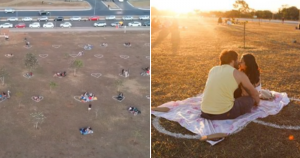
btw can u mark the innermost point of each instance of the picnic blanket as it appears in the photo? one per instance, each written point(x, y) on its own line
point(187, 113)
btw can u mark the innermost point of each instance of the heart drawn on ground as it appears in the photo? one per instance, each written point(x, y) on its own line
point(56, 46)
point(97, 75)
point(73, 55)
point(43, 55)
point(124, 56)
point(98, 55)
point(27, 46)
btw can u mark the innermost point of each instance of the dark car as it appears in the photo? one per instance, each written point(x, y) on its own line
point(42, 12)
point(59, 18)
point(146, 23)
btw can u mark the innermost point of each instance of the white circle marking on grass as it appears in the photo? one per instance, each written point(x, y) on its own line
point(97, 75)
point(73, 55)
point(27, 46)
point(56, 46)
point(98, 55)
point(43, 55)
point(124, 56)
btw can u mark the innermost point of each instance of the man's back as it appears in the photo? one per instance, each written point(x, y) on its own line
point(219, 89)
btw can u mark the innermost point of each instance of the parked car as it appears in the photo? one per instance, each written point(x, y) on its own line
point(59, 18)
point(135, 23)
point(48, 25)
point(111, 17)
point(43, 12)
point(27, 19)
point(114, 24)
point(100, 24)
point(75, 18)
point(6, 25)
point(43, 18)
point(12, 19)
point(94, 18)
point(127, 18)
point(9, 10)
point(20, 25)
point(35, 25)
point(144, 17)
point(146, 23)
point(66, 24)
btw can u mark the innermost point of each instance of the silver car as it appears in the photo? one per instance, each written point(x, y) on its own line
point(35, 25)
point(135, 23)
point(12, 19)
point(6, 25)
point(27, 19)
point(43, 18)
point(100, 24)
point(48, 25)
point(127, 18)
point(75, 18)
point(144, 17)
point(66, 24)
point(9, 10)
point(111, 17)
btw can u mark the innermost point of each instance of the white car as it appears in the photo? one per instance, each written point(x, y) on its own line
point(144, 17)
point(27, 19)
point(12, 19)
point(35, 25)
point(9, 10)
point(111, 17)
point(100, 24)
point(43, 18)
point(75, 18)
point(136, 23)
point(6, 25)
point(127, 18)
point(66, 24)
point(48, 25)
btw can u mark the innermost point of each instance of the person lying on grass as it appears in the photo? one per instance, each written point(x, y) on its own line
point(218, 101)
point(127, 44)
point(29, 74)
point(60, 74)
point(37, 98)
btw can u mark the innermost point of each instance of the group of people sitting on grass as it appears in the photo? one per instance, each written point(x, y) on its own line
point(3, 96)
point(125, 73)
point(120, 96)
point(60, 74)
point(134, 110)
point(9, 55)
point(86, 130)
point(86, 97)
point(127, 44)
point(37, 98)
point(29, 74)
point(146, 71)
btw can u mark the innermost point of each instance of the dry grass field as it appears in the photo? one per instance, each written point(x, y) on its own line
point(140, 3)
point(180, 75)
point(117, 132)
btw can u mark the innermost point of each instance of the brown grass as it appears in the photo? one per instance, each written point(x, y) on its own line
point(140, 3)
point(184, 75)
point(38, 3)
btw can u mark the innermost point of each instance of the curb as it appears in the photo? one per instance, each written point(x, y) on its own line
point(136, 7)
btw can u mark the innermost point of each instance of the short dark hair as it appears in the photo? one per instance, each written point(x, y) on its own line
point(227, 56)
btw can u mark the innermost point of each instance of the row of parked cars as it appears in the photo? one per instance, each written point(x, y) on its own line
point(69, 24)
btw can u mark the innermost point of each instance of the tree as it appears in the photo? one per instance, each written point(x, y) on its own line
point(52, 85)
point(19, 95)
point(3, 74)
point(31, 61)
point(76, 65)
point(242, 6)
point(119, 83)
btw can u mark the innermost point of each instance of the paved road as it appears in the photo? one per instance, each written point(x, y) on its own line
point(77, 23)
point(97, 7)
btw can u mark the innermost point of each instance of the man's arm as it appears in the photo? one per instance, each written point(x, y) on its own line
point(249, 88)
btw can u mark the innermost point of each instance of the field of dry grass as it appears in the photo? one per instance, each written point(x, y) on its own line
point(46, 3)
point(183, 75)
point(140, 3)
point(111, 4)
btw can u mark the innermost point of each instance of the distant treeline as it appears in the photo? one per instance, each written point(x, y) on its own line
point(290, 13)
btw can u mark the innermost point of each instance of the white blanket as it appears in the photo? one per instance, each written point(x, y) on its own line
point(187, 114)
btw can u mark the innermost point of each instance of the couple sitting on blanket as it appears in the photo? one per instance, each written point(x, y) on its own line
point(85, 97)
point(232, 88)
point(3, 96)
point(37, 98)
point(60, 74)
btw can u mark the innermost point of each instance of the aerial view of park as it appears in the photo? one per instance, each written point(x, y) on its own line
point(79, 91)
point(186, 44)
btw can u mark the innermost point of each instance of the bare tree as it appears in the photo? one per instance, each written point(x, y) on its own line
point(3, 74)
point(76, 65)
point(31, 61)
point(52, 85)
point(19, 95)
point(242, 6)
